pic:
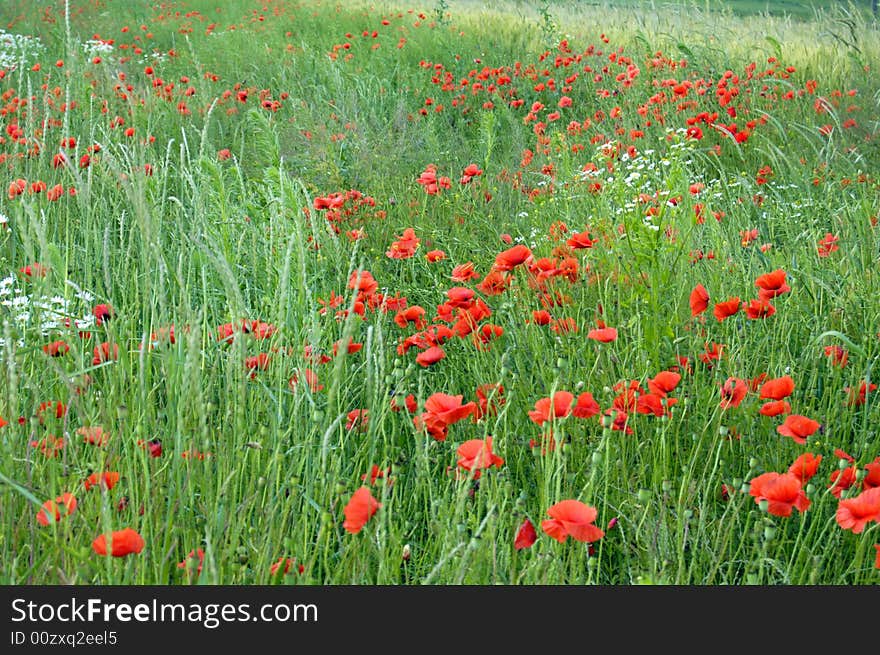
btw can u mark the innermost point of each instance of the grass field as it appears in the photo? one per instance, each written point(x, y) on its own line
point(536, 293)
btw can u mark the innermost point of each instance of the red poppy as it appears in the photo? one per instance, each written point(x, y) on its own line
point(772, 284)
point(839, 356)
point(56, 349)
point(877, 559)
point(798, 428)
point(102, 313)
point(464, 272)
point(842, 479)
point(777, 388)
point(572, 518)
point(581, 240)
point(699, 300)
point(604, 334)
point(586, 406)
point(414, 314)
point(50, 446)
point(193, 562)
point(525, 536)
point(105, 353)
point(855, 513)
point(476, 454)
point(727, 308)
point(53, 511)
point(732, 392)
point(358, 418)
point(561, 407)
point(664, 382)
point(485, 393)
point(872, 478)
point(805, 467)
point(122, 543)
point(782, 491)
point(94, 435)
point(359, 509)
point(757, 309)
point(541, 317)
point(775, 408)
point(105, 480)
point(430, 356)
point(512, 257)
point(434, 256)
point(285, 565)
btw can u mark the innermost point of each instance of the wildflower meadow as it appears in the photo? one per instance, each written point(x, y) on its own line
point(369, 293)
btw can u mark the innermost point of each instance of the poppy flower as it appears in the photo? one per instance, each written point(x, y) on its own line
point(732, 392)
point(106, 480)
point(53, 511)
point(798, 428)
point(877, 559)
point(359, 509)
point(434, 256)
point(430, 356)
point(664, 382)
point(727, 308)
point(782, 491)
point(464, 272)
point(572, 518)
point(56, 349)
point(414, 314)
point(357, 418)
point(699, 300)
point(193, 562)
point(775, 408)
point(489, 398)
point(872, 478)
point(476, 454)
point(525, 536)
point(376, 473)
point(581, 240)
point(772, 284)
point(604, 334)
point(541, 317)
point(855, 513)
point(122, 543)
point(559, 405)
point(512, 257)
point(805, 467)
point(758, 309)
point(102, 313)
point(285, 565)
point(586, 406)
point(105, 352)
point(777, 388)
point(94, 435)
point(448, 409)
point(841, 480)
point(838, 355)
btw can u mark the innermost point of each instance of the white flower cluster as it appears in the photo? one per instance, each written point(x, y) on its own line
point(94, 47)
point(19, 49)
point(45, 313)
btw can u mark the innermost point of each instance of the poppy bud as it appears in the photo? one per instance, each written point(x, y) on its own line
point(667, 486)
point(597, 458)
point(769, 532)
point(763, 505)
point(842, 463)
point(722, 430)
point(737, 482)
point(810, 488)
point(753, 463)
point(407, 552)
point(689, 514)
point(644, 495)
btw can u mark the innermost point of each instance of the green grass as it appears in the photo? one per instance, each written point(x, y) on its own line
point(254, 468)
